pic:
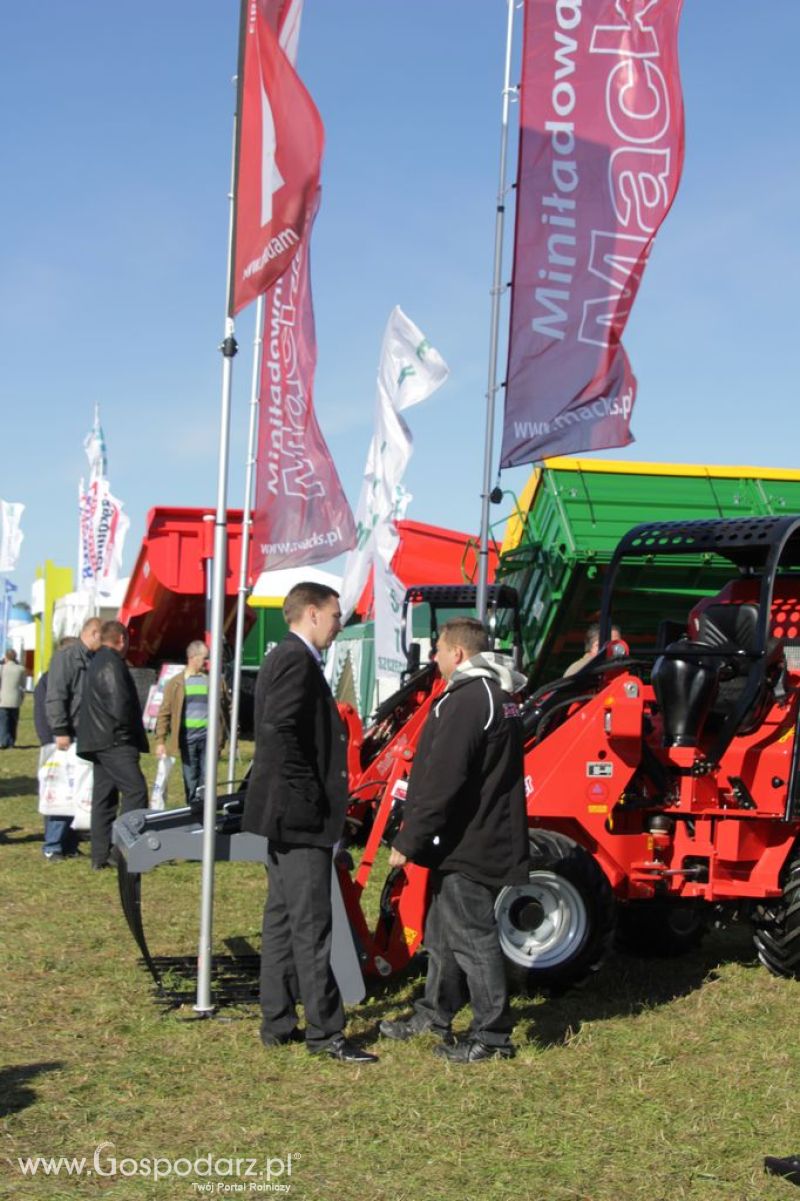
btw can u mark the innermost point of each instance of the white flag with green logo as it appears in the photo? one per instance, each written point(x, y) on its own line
point(410, 371)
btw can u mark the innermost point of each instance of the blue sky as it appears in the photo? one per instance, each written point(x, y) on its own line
point(116, 155)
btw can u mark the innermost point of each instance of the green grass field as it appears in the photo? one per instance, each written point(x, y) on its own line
point(655, 1081)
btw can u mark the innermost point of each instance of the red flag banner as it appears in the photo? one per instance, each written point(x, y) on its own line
point(279, 153)
point(301, 514)
point(601, 152)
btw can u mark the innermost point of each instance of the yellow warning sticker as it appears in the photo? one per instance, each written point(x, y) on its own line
point(410, 935)
point(597, 808)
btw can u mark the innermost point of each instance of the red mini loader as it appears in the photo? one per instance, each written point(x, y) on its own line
point(663, 780)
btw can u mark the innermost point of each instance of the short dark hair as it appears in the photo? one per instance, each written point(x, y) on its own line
point(593, 634)
point(11, 654)
point(466, 632)
point(112, 631)
point(302, 595)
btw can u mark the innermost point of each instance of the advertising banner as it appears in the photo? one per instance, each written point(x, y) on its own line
point(10, 533)
point(103, 527)
point(279, 152)
point(301, 514)
point(601, 152)
point(410, 371)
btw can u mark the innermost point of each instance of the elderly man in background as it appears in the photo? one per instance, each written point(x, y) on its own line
point(12, 693)
point(182, 724)
point(63, 694)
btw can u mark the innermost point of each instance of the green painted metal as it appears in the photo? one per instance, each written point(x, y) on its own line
point(576, 519)
point(267, 629)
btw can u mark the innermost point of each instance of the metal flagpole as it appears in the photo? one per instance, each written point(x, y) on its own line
point(203, 1001)
point(483, 554)
point(247, 524)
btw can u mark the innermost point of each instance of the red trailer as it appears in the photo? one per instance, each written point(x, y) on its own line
point(165, 605)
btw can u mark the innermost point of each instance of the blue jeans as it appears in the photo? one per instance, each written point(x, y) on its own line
point(59, 837)
point(8, 727)
point(193, 762)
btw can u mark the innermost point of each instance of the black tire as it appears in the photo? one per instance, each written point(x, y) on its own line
point(661, 929)
point(557, 928)
point(777, 925)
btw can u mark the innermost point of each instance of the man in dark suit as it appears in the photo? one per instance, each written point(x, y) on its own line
point(297, 798)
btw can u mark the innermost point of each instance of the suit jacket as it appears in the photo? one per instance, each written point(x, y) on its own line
point(297, 791)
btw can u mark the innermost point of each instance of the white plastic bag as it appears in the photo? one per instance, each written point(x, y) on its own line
point(158, 797)
point(65, 785)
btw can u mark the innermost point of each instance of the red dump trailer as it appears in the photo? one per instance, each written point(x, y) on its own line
point(165, 605)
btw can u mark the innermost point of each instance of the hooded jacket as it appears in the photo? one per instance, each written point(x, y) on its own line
point(465, 808)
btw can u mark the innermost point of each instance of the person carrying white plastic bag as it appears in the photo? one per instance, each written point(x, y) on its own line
point(65, 785)
point(158, 796)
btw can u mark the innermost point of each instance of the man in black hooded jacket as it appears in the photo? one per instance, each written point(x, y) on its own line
point(465, 818)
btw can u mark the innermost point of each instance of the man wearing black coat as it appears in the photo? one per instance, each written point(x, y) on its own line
point(465, 818)
point(111, 734)
point(297, 797)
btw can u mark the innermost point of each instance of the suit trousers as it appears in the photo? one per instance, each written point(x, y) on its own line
point(296, 945)
point(465, 962)
point(116, 770)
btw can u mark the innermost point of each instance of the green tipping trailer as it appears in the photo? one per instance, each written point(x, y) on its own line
point(570, 518)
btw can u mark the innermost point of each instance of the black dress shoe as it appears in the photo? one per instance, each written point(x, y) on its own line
point(788, 1168)
point(402, 1029)
point(282, 1040)
point(474, 1051)
point(341, 1048)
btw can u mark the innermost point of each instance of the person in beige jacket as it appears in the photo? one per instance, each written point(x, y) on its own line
point(182, 723)
point(12, 692)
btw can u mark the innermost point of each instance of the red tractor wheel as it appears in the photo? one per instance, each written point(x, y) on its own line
point(555, 929)
point(777, 925)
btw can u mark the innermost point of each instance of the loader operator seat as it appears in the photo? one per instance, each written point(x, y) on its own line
point(697, 693)
point(685, 684)
point(734, 628)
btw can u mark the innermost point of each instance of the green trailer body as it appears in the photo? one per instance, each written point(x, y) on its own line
point(571, 516)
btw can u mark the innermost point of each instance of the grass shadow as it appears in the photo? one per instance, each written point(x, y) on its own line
point(6, 841)
point(16, 786)
point(627, 985)
point(15, 1091)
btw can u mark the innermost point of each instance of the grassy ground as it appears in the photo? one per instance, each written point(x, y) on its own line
point(655, 1081)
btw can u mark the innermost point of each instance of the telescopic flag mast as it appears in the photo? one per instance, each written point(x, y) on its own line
point(494, 328)
point(203, 1004)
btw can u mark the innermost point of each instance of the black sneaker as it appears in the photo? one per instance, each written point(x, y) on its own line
point(402, 1029)
point(346, 1052)
point(474, 1051)
point(788, 1168)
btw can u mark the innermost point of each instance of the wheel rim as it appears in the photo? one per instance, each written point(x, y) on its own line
point(541, 924)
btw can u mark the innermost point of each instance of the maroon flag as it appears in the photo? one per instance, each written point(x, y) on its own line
point(601, 152)
point(301, 514)
point(279, 152)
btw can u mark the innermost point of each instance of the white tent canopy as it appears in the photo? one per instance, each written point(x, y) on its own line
point(273, 585)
